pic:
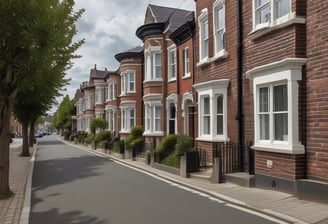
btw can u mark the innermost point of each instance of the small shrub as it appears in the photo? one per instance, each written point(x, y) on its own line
point(102, 144)
point(168, 144)
point(103, 136)
point(116, 146)
point(183, 144)
point(72, 137)
point(135, 138)
point(89, 138)
point(98, 123)
point(172, 160)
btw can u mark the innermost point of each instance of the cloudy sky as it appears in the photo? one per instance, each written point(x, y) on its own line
point(108, 27)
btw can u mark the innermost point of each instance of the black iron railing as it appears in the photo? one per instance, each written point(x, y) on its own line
point(231, 161)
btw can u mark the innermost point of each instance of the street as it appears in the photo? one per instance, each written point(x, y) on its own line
point(74, 186)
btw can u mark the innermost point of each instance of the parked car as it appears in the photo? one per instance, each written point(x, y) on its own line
point(38, 134)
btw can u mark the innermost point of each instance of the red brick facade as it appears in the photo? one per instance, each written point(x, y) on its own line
point(316, 93)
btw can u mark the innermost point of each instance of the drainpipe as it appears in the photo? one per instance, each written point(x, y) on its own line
point(240, 115)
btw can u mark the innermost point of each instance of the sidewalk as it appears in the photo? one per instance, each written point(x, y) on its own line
point(10, 209)
point(273, 203)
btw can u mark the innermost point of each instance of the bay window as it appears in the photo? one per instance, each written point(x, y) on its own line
point(212, 110)
point(153, 115)
point(127, 116)
point(276, 106)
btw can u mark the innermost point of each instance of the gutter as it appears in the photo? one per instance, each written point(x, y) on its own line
point(240, 115)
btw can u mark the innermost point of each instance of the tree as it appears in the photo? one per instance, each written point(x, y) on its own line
point(36, 39)
point(98, 123)
point(63, 116)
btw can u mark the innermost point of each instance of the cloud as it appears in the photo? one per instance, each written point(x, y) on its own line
point(108, 27)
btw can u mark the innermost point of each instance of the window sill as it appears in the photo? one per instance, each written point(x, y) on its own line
point(186, 76)
point(172, 79)
point(153, 80)
point(259, 32)
point(219, 55)
point(125, 132)
point(213, 139)
point(203, 62)
point(285, 149)
point(158, 133)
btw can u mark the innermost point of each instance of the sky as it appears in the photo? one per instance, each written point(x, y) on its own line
point(109, 27)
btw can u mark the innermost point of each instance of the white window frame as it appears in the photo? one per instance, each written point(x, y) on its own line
point(126, 117)
point(273, 19)
point(219, 33)
point(126, 82)
point(99, 95)
point(131, 79)
point(152, 73)
point(153, 103)
point(123, 84)
point(172, 63)
point(203, 26)
point(171, 99)
point(186, 63)
point(289, 72)
point(211, 90)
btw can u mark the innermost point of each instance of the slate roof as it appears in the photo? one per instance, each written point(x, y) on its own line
point(137, 51)
point(173, 17)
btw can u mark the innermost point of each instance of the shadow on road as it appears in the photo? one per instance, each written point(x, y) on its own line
point(60, 171)
point(73, 217)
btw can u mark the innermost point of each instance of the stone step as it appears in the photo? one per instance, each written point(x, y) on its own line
point(241, 178)
point(202, 174)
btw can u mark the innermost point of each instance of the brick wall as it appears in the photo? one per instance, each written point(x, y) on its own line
point(285, 166)
point(317, 90)
point(287, 42)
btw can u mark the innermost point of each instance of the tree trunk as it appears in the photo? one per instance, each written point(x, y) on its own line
point(31, 135)
point(8, 93)
point(5, 191)
point(25, 147)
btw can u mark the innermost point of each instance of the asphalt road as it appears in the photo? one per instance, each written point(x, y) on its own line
point(70, 185)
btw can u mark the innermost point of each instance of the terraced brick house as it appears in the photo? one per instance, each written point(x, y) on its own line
point(168, 72)
point(131, 77)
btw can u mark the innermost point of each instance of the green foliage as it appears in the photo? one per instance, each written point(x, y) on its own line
point(98, 123)
point(172, 160)
point(63, 116)
point(116, 146)
point(168, 144)
point(184, 143)
point(102, 144)
point(89, 138)
point(172, 148)
point(81, 135)
point(135, 138)
point(103, 136)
